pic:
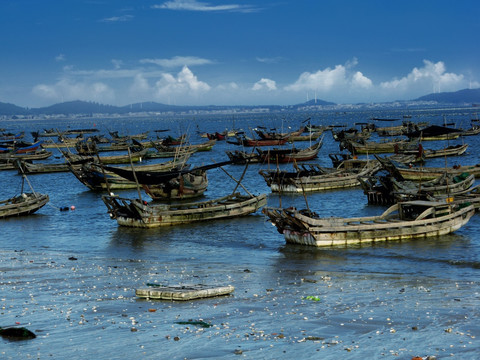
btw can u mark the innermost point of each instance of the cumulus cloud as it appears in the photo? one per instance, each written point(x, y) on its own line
point(267, 84)
point(322, 80)
point(193, 5)
point(185, 83)
point(360, 80)
point(432, 76)
point(60, 57)
point(177, 61)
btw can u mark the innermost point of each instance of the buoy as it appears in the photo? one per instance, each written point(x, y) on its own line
point(72, 207)
point(64, 208)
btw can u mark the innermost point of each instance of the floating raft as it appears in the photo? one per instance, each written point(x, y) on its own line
point(180, 292)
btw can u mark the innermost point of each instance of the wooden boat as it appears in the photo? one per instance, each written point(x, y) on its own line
point(20, 148)
point(273, 135)
point(314, 178)
point(249, 142)
point(100, 177)
point(312, 136)
point(23, 204)
point(184, 186)
point(388, 190)
point(136, 213)
point(37, 168)
point(112, 159)
point(41, 154)
point(242, 157)
point(435, 132)
point(427, 173)
point(216, 136)
point(290, 155)
point(453, 150)
point(405, 220)
point(371, 147)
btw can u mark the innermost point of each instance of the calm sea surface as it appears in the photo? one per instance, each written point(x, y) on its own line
point(388, 300)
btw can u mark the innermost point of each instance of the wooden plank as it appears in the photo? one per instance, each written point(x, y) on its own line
point(183, 292)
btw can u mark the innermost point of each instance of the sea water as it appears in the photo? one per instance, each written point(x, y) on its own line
point(70, 276)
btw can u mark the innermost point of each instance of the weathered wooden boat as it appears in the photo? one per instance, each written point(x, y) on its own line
point(435, 132)
point(274, 135)
point(170, 140)
point(371, 147)
point(100, 177)
point(40, 154)
point(405, 220)
point(388, 190)
point(350, 134)
point(184, 186)
point(23, 204)
point(452, 150)
point(467, 197)
point(20, 147)
point(312, 136)
point(136, 213)
point(289, 155)
point(314, 178)
point(110, 159)
point(55, 133)
point(249, 142)
point(242, 157)
point(216, 136)
point(40, 168)
point(420, 173)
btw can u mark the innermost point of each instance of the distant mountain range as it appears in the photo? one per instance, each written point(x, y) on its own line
point(466, 97)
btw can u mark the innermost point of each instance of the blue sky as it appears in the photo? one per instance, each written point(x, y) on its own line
point(238, 52)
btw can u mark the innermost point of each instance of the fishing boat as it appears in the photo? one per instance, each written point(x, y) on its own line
point(137, 213)
point(388, 190)
point(371, 147)
point(452, 150)
point(99, 177)
point(175, 184)
point(249, 142)
point(422, 173)
point(40, 154)
point(290, 155)
point(435, 132)
point(404, 220)
point(40, 168)
point(24, 204)
point(311, 177)
point(110, 159)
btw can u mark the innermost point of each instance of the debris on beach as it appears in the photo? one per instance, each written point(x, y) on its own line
point(200, 323)
point(184, 292)
point(14, 333)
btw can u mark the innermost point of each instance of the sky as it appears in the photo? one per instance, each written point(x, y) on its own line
point(235, 52)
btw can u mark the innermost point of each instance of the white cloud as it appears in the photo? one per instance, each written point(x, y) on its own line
point(185, 84)
point(360, 80)
point(117, 64)
point(66, 90)
point(60, 57)
point(193, 5)
point(273, 60)
point(432, 77)
point(122, 18)
point(177, 61)
point(267, 84)
point(322, 80)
